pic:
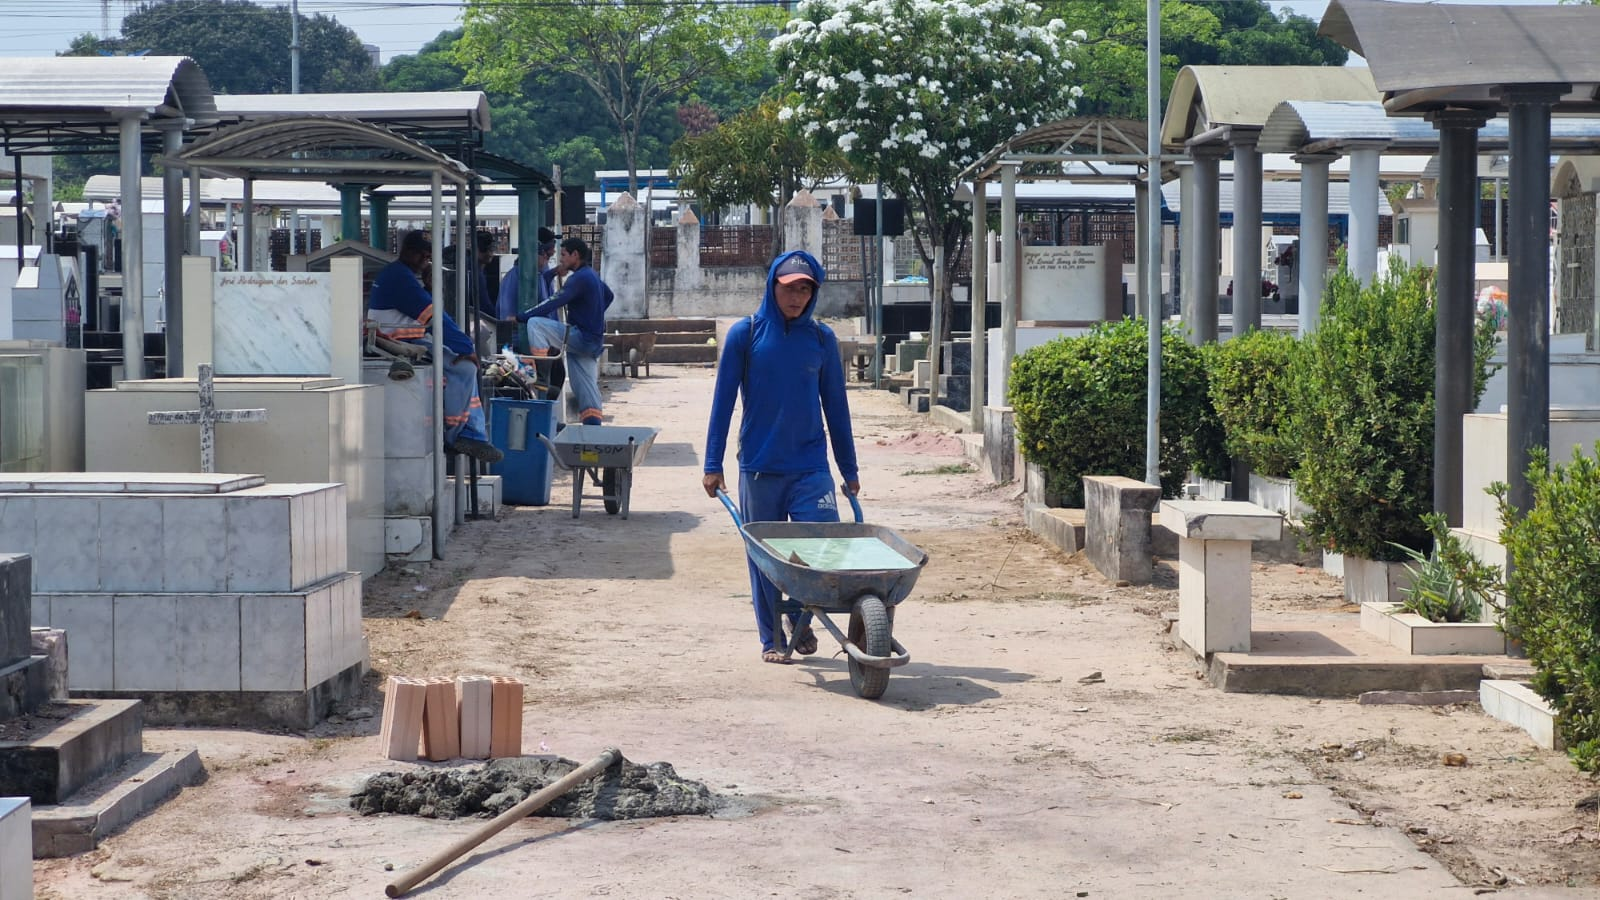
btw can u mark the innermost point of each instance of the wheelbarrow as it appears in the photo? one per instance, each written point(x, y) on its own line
point(838, 567)
point(605, 455)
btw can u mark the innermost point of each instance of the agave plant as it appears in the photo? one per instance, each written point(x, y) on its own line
point(1448, 583)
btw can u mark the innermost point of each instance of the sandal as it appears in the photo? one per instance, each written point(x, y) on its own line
point(774, 656)
point(806, 643)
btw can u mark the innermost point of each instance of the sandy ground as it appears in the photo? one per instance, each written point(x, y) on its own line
point(988, 769)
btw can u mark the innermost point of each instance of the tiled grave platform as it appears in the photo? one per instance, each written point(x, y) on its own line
point(1329, 655)
point(230, 604)
point(317, 430)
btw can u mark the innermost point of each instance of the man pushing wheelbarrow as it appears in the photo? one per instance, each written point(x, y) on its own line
point(785, 367)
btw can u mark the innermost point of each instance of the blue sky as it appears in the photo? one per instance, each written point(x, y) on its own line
point(42, 27)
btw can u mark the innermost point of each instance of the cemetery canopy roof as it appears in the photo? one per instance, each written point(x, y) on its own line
point(1280, 200)
point(1431, 56)
point(73, 104)
point(1094, 149)
point(1316, 126)
point(1206, 101)
point(453, 120)
point(314, 148)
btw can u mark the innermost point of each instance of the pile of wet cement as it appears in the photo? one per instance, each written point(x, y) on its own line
point(626, 791)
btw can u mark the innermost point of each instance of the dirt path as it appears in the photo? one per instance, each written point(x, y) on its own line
point(988, 769)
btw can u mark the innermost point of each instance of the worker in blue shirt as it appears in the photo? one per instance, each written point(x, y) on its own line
point(784, 368)
point(403, 311)
point(585, 298)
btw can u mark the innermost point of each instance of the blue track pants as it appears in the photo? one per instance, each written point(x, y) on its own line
point(766, 497)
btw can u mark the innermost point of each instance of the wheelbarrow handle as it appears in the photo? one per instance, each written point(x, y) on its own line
point(855, 505)
point(732, 511)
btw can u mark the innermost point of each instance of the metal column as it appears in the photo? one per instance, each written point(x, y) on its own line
point(1207, 239)
point(1246, 230)
point(1010, 250)
point(129, 130)
point(1313, 253)
point(1364, 213)
point(979, 295)
point(1453, 311)
point(172, 232)
point(1528, 332)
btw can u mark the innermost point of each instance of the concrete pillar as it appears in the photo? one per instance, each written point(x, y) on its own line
point(1207, 235)
point(378, 233)
point(1364, 212)
point(1246, 229)
point(1010, 250)
point(172, 233)
point(1528, 331)
point(979, 295)
point(1186, 257)
point(623, 264)
point(689, 275)
point(1313, 236)
point(802, 224)
point(1452, 378)
point(131, 161)
point(350, 212)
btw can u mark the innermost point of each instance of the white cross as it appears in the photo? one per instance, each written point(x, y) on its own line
point(208, 417)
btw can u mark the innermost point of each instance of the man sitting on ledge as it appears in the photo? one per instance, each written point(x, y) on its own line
point(403, 311)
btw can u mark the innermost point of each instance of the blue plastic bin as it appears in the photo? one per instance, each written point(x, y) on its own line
point(514, 427)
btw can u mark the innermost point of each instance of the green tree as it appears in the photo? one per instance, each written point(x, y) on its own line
point(752, 158)
point(637, 57)
point(1111, 57)
point(243, 47)
point(912, 93)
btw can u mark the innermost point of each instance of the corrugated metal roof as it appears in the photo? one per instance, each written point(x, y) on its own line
point(34, 87)
point(1207, 97)
point(1298, 125)
point(1277, 198)
point(435, 107)
point(1427, 56)
point(318, 148)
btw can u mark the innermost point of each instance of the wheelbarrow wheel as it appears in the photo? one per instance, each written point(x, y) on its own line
point(869, 631)
point(608, 486)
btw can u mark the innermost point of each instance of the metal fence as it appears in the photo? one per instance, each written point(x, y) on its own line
point(663, 248)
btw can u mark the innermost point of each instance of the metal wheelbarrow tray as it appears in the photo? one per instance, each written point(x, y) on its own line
point(840, 567)
point(606, 456)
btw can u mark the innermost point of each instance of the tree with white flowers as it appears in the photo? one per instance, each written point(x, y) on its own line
point(913, 91)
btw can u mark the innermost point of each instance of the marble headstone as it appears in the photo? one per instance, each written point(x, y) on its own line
point(273, 323)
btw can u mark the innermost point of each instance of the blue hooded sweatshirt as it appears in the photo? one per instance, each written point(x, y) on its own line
point(789, 379)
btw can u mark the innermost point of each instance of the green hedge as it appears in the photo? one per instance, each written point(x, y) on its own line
point(1553, 593)
point(1080, 408)
point(1248, 379)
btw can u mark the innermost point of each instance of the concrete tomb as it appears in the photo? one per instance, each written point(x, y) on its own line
point(41, 407)
point(1116, 531)
point(217, 599)
point(16, 849)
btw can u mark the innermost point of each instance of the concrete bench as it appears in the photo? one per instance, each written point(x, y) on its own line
point(1116, 527)
point(1214, 568)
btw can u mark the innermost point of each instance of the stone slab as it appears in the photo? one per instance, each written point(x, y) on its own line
point(1001, 461)
point(1517, 704)
point(63, 756)
point(127, 483)
point(117, 798)
point(1329, 655)
point(1416, 698)
point(267, 710)
point(51, 645)
point(1214, 595)
point(16, 849)
point(1063, 528)
point(1220, 520)
point(24, 686)
point(1369, 581)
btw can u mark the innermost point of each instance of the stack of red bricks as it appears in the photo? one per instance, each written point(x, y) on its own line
point(471, 717)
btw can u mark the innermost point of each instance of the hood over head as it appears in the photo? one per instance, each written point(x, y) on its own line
point(795, 265)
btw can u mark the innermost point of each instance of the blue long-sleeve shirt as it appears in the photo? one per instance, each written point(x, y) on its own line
point(404, 310)
point(586, 298)
point(789, 378)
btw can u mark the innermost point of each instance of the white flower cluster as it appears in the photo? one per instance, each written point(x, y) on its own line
point(908, 84)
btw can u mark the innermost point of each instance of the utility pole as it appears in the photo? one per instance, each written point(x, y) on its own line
point(294, 52)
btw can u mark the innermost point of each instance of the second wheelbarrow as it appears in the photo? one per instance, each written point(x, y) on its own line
point(838, 567)
point(604, 455)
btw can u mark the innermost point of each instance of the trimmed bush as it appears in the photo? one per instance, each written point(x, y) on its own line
point(1361, 400)
point(1080, 408)
point(1553, 593)
point(1248, 379)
